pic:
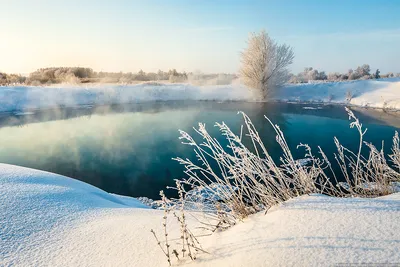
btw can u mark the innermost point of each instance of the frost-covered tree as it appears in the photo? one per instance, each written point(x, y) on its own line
point(333, 76)
point(265, 64)
point(363, 70)
point(312, 75)
point(354, 76)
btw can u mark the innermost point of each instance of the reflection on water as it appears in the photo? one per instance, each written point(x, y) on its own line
point(128, 149)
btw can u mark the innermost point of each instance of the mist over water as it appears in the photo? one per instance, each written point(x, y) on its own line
point(127, 149)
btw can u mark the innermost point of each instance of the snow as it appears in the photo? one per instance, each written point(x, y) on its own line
point(33, 203)
point(382, 93)
point(314, 231)
point(367, 93)
point(51, 220)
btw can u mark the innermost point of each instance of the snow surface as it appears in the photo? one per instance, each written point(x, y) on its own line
point(368, 93)
point(33, 203)
point(51, 220)
point(382, 93)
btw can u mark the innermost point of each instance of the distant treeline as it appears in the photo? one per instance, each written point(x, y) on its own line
point(360, 73)
point(11, 79)
point(76, 75)
point(87, 75)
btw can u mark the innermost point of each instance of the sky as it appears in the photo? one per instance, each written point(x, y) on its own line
point(195, 35)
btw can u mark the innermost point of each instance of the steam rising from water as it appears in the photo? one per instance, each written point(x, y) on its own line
point(92, 143)
point(25, 98)
point(114, 134)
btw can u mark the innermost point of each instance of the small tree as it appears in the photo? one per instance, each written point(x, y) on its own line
point(377, 74)
point(264, 64)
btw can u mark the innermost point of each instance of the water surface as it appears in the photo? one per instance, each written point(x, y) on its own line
point(127, 149)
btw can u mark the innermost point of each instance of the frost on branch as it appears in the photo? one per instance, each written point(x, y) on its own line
point(265, 64)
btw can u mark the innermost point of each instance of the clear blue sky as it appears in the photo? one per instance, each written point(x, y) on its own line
point(128, 35)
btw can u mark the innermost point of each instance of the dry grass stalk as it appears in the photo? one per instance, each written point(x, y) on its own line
point(395, 156)
point(242, 180)
point(188, 241)
point(235, 181)
point(166, 209)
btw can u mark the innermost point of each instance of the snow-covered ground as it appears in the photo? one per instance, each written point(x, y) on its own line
point(51, 220)
point(383, 93)
point(369, 93)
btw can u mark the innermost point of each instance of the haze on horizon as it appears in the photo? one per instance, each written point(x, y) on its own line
point(124, 35)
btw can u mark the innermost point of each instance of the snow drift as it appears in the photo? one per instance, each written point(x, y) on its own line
point(33, 203)
point(51, 220)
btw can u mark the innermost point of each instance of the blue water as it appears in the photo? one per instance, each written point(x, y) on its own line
point(128, 149)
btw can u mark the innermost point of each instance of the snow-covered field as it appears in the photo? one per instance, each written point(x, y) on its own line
point(51, 220)
point(369, 93)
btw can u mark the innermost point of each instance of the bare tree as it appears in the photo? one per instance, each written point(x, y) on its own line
point(264, 64)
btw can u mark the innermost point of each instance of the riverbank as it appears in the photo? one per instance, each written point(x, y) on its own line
point(382, 94)
point(52, 220)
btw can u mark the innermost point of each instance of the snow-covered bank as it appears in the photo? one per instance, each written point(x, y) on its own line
point(367, 93)
point(51, 220)
point(34, 203)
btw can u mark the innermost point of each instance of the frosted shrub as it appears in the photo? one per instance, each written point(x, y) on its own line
point(395, 156)
point(247, 181)
point(235, 181)
point(240, 180)
point(369, 176)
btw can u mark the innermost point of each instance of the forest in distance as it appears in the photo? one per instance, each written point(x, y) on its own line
point(77, 75)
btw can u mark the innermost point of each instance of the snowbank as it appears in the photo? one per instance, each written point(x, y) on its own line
point(313, 231)
point(366, 93)
point(369, 93)
point(34, 203)
point(51, 220)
